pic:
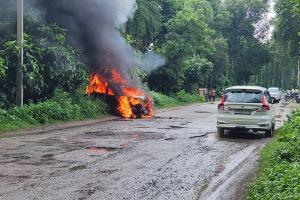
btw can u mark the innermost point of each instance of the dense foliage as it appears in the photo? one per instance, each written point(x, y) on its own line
point(205, 43)
point(49, 63)
point(180, 98)
point(284, 48)
point(279, 174)
point(62, 107)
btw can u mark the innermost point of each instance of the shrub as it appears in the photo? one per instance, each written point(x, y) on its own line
point(161, 100)
point(182, 97)
point(185, 97)
point(62, 107)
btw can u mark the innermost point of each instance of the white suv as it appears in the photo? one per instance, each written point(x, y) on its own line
point(246, 107)
point(275, 94)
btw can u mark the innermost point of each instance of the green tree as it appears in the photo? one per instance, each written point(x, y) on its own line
point(146, 25)
point(49, 63)
point(188, 35)
point(246, 52)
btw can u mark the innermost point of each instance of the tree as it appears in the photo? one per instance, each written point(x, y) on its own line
point(188, 36)
point(246, 52)
point(146, 24)
point(49, 63)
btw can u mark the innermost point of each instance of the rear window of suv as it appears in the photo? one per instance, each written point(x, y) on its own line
point(243, 96)
point(274, 90)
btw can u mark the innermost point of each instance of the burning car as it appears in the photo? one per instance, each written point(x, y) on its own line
point(131, 102)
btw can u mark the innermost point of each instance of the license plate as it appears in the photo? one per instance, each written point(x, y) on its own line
point(242, 112)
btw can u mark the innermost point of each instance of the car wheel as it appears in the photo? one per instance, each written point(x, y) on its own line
point(221, 132)
point(270, 133)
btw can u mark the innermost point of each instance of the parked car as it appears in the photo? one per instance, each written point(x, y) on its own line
point(275, 94)
point(246, 107)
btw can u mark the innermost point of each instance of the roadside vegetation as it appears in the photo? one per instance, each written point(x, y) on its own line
point(180, 98)
point(279, 176)
point(62, 107)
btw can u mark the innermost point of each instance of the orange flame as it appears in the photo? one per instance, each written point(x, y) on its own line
point(132, 103)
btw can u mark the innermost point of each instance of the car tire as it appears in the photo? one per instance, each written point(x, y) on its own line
point(221, 132)
point(270, 133)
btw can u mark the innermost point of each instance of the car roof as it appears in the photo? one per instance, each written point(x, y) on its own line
point(277, 88)
point(242, 87)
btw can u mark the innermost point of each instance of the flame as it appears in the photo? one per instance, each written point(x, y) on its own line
point(132, 103)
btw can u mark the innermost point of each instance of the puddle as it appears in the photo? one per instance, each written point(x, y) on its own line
point(169, 139)
point(100, 134)
point(108, 171)
point(172, 127)
point(47, 156)
point(168, 118)
point(184, 124)
point(197, 136)
point(202, 112)
point(123, 135)
point(204, 134)
point(177, 127)
point(21, 157)
point(102, 149)
point(78, 167)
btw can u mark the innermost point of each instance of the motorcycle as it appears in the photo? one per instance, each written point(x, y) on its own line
point(297, 98)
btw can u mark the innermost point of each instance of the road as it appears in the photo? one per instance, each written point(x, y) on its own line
point(176, 155)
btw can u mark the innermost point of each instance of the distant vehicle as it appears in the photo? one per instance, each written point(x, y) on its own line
point(275, 94)
point(246, 107)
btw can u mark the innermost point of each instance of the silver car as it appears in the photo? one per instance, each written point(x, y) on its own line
point(275, 94)
point(246, 107)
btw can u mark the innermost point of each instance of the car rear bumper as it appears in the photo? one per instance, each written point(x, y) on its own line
point(258, 126)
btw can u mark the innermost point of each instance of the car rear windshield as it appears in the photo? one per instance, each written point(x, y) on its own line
point(243, 96)
point(274, 90)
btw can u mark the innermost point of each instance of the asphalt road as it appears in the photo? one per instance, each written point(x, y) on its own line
point(176, 155)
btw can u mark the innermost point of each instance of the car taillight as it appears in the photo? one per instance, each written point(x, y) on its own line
point(221, 105)
point(265, 106)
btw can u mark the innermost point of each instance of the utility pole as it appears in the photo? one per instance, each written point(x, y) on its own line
point(20, 39)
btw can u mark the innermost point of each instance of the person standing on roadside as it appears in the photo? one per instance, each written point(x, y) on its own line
point(213, 95)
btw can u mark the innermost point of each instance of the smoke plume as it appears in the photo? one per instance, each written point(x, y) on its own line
point(94, 26)
point(150, 61)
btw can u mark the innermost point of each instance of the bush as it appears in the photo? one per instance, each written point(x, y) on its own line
point(185, 97)
point(62, 107)
point(182, 97)
point(279, 176)
point(161, 100)
point(90, 107)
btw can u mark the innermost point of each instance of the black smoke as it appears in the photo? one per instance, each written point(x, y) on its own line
point(94, 26)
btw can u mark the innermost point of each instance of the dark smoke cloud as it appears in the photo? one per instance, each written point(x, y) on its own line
point(94, 26)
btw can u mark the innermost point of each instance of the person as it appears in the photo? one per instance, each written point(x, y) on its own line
point(213, 95)
point(207, 98)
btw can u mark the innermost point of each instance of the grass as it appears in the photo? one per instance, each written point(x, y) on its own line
point(279, 176)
